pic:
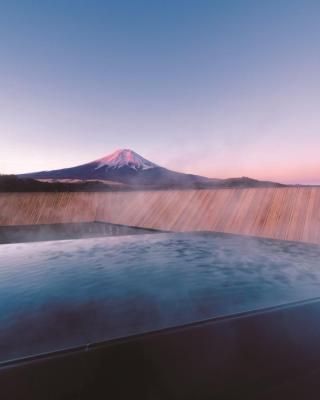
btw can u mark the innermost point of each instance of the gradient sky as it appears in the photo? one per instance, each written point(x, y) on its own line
point(215, 87)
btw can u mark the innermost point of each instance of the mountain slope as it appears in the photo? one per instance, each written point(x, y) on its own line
point(126, 166)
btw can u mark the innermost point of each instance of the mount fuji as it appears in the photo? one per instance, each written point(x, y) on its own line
point(125, 166)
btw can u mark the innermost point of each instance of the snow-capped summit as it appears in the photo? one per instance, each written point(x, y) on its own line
point(124, 158)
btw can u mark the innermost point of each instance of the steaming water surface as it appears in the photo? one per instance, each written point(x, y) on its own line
point(61, 294)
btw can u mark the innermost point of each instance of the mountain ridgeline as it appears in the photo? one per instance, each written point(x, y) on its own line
point(126, 169)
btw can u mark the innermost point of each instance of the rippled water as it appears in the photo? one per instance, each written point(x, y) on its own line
point(61, 294)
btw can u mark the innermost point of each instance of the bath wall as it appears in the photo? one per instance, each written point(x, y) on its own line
point(291, 213)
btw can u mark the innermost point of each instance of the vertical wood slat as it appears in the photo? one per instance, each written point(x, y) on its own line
point(281, 213)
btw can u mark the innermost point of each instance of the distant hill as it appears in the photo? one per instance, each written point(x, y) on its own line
point(129, 168)
point(12, 183)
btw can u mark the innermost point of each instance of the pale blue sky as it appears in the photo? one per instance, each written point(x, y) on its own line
point(220, 88)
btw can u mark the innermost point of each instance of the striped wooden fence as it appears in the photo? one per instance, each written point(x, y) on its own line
point(281, 213)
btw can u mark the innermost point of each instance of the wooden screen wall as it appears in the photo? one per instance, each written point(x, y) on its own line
point(282, 213)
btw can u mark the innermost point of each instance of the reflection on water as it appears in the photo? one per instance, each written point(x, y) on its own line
point(74, 230)
point(55, 295)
